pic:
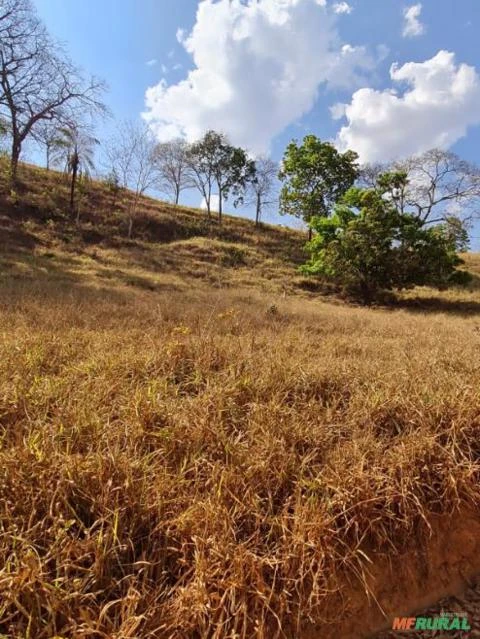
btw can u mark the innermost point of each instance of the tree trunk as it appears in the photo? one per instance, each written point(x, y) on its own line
point(367, 291)
point(177, 195)
point(14, 162)
point(47, 153)
point(259, 210)
point(72, 189)
point(130, 227)
point(220, 206)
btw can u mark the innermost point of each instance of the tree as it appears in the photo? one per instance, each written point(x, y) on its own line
point(48, 134)
point(315, 176)
point(131, 154)
point(77, 147)
point(201, 159)
point(112, 182)
point(37, 81)
point(233, 172)
point(262, 188)
point(171, 163)
point(369, 246)
point(213, 161)
point(432, 186)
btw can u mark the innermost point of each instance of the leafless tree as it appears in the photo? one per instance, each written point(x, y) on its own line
point(263, 191)
point(48, 135)
point(438, 185)
point(172, 167)
point(131, 154)
point(37, 80)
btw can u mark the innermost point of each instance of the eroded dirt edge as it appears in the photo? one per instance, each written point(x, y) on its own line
point(444, 563)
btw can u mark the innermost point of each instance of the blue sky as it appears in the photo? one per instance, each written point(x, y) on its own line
point(269, 71)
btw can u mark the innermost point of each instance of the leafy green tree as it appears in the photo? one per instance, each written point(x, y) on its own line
point(233, 172)
point(77, 147)
point(213, 161)
point(369, 246)
point(315, 176)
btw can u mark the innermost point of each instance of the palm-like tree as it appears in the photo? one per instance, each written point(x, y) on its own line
point(77, 149)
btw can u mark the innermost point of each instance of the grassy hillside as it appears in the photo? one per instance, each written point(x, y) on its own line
point(195, 445)
point(171, 247)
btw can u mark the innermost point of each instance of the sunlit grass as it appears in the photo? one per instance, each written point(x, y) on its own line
point(213, 453)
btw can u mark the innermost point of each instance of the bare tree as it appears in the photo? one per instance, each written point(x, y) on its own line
point(48, 135)
point(173, 171)
point(131, 154)
point(433, 186)
point(37, 81)
point(263, 191)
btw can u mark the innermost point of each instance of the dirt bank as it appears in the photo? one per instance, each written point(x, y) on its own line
point(444, 564)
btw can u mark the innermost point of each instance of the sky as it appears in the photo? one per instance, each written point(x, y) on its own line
point(387, 78)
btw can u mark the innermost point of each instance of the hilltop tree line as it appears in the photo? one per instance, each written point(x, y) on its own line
point(371, 228)
point(44, 97)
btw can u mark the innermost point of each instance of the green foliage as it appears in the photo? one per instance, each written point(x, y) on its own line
point(215, 161)
point(369, 246)
point(315, 176)
point(456, 230)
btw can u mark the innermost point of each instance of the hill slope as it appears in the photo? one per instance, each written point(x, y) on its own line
point(193, 446)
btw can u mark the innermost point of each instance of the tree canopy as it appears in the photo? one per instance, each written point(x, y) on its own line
point(314, 175)
point(368, 246)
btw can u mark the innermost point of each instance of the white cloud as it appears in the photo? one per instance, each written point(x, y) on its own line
point(164, 69)
point(412, 26)
point(151, 63)
point(180, 35)
point(441, 101)
point(258, 66)
point(342, 7)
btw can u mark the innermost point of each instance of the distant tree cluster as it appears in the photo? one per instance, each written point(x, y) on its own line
point(211, 165)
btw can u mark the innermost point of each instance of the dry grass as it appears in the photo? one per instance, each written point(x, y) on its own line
point(179, 461)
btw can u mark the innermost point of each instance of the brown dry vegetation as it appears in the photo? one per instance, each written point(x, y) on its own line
point(193, 446)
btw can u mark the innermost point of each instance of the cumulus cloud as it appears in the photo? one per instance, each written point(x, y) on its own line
point(412, 26)
point(152, 62)
point(257, 66)
point(441, 101)
point(342, 7)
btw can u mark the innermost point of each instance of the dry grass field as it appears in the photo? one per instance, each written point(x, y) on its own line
point(194, 445)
